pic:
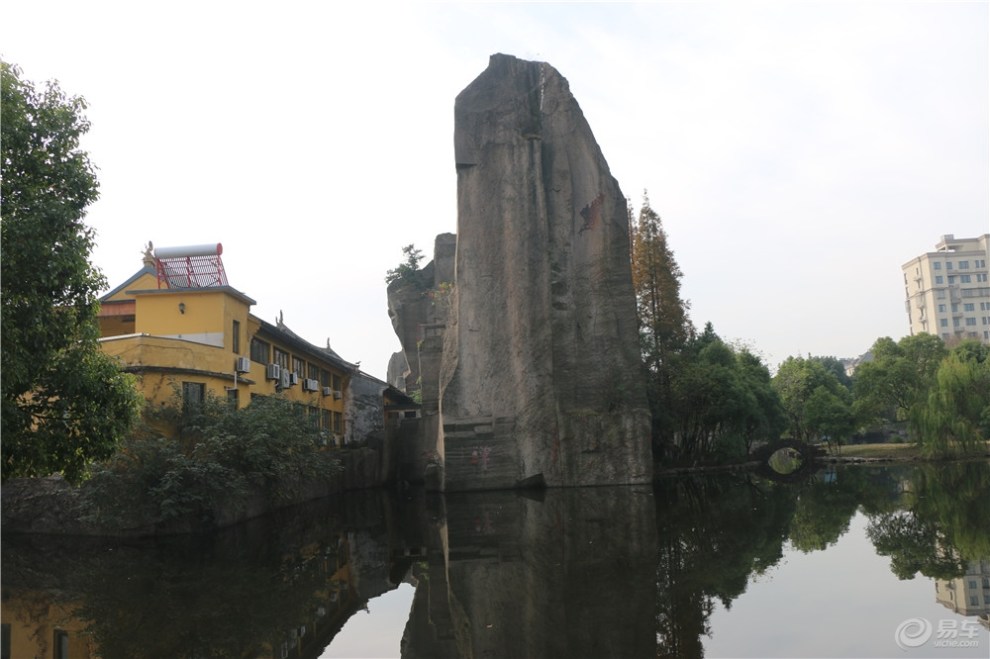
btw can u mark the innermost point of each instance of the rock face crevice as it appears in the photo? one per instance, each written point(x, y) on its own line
point(540, 375)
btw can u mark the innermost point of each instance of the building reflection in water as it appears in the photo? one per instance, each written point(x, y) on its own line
point(969, 594)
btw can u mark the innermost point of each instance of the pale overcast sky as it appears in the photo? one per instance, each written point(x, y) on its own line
point(798, 152)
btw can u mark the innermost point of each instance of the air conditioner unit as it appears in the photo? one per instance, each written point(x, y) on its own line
point(337, 394)
point(311, 385)
point(293, 379)
point(273, 372)
point(285, 379)
point(327, 391)
point(242, 365)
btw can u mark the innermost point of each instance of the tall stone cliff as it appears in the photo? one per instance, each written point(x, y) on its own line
point(540, 377)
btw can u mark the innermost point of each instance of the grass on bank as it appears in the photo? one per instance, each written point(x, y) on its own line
point(907, 451)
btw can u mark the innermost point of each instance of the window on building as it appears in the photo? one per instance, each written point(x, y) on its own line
point(235, 337)
point(944, 322)
point(955, 322)
point(335, 382)
point(981, 277)
point(260, 351)
point(937, 265)
point(969, 306)
point(338, 423)
point(314, 372)
point(232, 398)
point(940, 294)
point(193, 394)
point(965, 279)
point(964, 265)
point(281, 358)
point(971, 321)
point(952, 280)
point(325, 420)
point(61, 644)
point(299, 367)
point(941, 308)
point(939, 279)
point(324, 377)
point(948, 265)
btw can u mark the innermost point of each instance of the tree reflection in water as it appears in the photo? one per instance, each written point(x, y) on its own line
point(585, 572)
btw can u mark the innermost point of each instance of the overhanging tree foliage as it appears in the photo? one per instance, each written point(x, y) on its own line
point(64, 402)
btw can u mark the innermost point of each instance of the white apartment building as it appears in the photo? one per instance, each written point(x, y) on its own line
point(947, 293)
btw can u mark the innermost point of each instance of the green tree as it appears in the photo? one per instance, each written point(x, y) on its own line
point(220, 458)
point(663, 317)
point(817, 405)
point(765, 418)
point(408, 270)
point(898, 378)
point(664, 326)
point(721, 401)
point(957, 411)
point(64, 402)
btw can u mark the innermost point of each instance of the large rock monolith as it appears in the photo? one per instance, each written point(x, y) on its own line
point(541, 377)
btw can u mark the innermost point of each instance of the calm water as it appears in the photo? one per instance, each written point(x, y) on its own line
point(857, 562)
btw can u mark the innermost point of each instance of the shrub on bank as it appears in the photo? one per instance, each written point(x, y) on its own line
point(215, 458)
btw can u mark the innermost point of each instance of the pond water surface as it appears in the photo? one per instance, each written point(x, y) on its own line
point(857, 561)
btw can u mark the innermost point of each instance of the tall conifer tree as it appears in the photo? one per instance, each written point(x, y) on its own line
point(664, 325)
point(663, 317)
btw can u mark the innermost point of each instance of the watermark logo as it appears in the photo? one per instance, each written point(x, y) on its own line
point(915, 632)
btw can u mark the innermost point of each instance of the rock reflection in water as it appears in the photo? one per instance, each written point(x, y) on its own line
point(565, 573)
